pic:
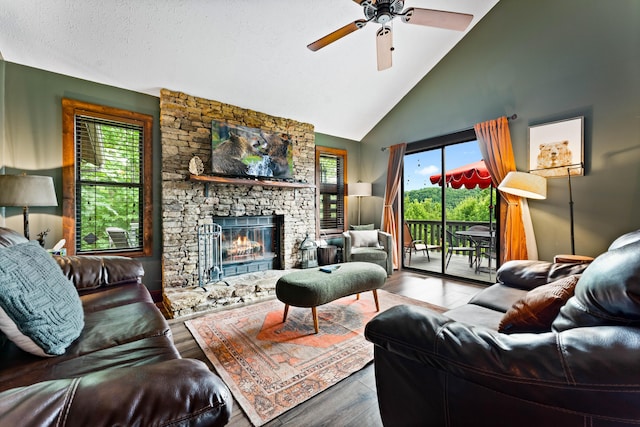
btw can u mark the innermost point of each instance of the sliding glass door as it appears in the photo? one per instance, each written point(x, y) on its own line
point(449, 212)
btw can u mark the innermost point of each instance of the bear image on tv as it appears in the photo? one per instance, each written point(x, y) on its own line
point(277, 149)
point(241, 151)
point(553, 155)
point(227, 157)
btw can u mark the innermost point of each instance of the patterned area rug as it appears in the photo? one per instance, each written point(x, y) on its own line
point(271, 366)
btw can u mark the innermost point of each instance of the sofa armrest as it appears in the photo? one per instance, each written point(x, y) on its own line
point(180, 392)
point(88, 273)
point(586, 370)
point(346, 246)
point(384, 239)
point(529, 274)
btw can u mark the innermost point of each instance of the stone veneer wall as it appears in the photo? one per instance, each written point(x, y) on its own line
point(185, 126)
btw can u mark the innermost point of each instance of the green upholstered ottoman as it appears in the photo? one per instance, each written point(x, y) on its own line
point(313, 287)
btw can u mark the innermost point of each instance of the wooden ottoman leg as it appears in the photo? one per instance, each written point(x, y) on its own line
point(286, 311)
point(375, 298)
point(314, 314)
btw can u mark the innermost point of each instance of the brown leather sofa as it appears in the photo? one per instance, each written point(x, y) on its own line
point(123, 369)
point(456, 369)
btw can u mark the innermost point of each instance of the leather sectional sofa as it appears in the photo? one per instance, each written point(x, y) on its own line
point(123, 369)
point(513, 358)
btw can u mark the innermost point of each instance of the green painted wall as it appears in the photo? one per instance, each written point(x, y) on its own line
point(545, 60)
point(33, 142)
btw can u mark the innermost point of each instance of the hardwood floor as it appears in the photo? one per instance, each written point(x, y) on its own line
point(353, 401)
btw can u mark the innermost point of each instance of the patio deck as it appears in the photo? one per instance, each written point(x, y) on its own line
point(459, 266)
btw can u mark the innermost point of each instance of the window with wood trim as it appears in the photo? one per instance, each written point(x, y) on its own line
point(331, 176)
point(106, 180)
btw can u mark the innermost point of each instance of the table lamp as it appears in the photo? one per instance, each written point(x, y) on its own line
point(360, 190)
point(27, 191)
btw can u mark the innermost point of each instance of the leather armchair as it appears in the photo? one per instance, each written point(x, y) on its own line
point(368, 246)
point(432, 370)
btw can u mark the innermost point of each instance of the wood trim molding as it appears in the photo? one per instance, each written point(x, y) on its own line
point(70, 108)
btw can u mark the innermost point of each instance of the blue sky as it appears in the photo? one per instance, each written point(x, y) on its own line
point(419, 167)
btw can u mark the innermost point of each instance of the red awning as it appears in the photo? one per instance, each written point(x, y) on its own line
point(470, 176)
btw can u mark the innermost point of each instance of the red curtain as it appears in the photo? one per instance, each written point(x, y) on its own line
point(494, 140)
point(394, 176)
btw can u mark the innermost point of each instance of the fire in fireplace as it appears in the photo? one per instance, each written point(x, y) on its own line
point(250, 243)
point(241, 248)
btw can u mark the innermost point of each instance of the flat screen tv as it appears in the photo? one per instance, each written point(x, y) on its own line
point(240, 151)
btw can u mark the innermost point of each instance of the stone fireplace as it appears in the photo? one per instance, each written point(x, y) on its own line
point(189, 201)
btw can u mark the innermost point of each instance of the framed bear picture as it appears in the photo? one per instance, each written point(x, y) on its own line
point(556, 148)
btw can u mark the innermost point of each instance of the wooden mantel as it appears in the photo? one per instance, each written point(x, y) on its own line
point(209, 179)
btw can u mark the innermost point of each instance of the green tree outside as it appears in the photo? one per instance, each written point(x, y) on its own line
point(461, 204)
point(110, 192)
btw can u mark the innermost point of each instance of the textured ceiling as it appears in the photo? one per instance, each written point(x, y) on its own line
point(249, 53)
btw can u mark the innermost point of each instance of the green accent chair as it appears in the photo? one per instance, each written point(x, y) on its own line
point(372, 246)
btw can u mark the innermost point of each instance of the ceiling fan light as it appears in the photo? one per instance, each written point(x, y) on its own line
point(384, 17)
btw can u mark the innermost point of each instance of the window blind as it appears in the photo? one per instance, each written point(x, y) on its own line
point(109, 180)
point(332, 193)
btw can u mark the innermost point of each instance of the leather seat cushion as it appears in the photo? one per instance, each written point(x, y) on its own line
point(22, 369)
point(498, 297)
point(114, 297)
point(106, 332)
point(476, 315)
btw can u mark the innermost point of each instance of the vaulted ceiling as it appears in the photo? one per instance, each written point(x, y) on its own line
point(249, 53)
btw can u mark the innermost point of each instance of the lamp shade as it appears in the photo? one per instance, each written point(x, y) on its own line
point(27, 190)
point(524, 185)
point(360, 189)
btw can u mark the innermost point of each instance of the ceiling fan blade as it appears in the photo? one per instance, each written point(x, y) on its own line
point(384, 47)
point(437, 18)
point(337, 34)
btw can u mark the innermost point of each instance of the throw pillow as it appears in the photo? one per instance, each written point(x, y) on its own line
point(536, 311)
point(364, 238)
point(361, 227)
point(40, 310)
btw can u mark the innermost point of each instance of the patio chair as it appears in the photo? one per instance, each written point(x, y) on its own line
point(118, 237)
point(411, 245)
point(487, 249)
point(453, 245)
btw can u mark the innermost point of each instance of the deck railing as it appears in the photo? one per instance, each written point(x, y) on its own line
point(432, 233)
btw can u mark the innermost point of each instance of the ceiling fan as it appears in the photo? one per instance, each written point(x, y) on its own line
point(382, 12)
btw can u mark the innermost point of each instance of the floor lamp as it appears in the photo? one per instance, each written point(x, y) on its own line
point(573, 246)
point(360, 190)
point(525, 185)
point(26, 191)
